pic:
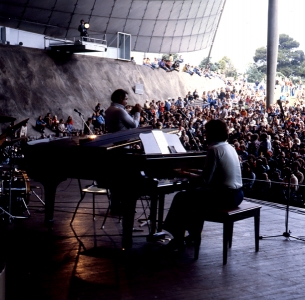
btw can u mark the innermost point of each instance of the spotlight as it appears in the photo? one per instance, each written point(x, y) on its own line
point(87, 25)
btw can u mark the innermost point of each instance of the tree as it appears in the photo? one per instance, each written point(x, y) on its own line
point(227, 68)
point(290, 60)
point(254, 74)
point(166, 56)
point(213, 66)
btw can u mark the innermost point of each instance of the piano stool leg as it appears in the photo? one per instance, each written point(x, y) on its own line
point(93, 205)
point(81, 199)
point(105, 217)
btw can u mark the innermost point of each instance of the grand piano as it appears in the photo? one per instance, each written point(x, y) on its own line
point(109, 160)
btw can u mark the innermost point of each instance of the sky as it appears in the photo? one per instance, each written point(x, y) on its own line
point(243, 29)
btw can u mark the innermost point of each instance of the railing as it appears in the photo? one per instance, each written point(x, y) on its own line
point(50, 41)
point(88, 39)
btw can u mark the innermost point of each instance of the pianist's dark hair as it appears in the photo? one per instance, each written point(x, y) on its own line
point(217, 131)
point(118, 95)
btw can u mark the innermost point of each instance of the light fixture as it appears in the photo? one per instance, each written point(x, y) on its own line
point(87, 25)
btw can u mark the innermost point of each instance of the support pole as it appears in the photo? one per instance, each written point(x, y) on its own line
point(272, 49)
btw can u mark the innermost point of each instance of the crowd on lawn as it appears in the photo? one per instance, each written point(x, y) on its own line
point(170, 65)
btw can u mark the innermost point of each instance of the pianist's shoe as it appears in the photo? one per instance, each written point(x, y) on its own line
point(175, 246)
point(189, 241)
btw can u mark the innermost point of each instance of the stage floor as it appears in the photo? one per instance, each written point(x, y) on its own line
point(86, 262)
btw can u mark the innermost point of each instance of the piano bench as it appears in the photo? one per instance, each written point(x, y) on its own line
point(228, 217)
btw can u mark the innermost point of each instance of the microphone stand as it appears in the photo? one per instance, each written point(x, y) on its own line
point(287, 232)
point(84, 122)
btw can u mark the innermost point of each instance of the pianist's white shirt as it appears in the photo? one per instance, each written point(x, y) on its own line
point(222, 167)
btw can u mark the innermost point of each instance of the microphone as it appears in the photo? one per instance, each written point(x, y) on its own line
point(77, 111)
point(279, 102)
point(182, 113)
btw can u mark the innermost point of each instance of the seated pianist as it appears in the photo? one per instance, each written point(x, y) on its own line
point(219, 185)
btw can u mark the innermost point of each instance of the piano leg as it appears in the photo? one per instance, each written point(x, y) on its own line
point(129, 207)
point(50, 187)
point(153, 214)
point(161, 211)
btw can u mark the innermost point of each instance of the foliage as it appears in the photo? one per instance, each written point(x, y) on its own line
point(213, 66)
point(254, 74)
point(166, 56)
point(224, 66)
point(227, 68)
point(291, 61)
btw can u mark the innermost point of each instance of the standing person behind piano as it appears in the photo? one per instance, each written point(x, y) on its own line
point(116, 117)
point(123, 195)
point(218, 185)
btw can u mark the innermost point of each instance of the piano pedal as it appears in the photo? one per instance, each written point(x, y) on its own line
point(158, 237)
point(137, 230)
point(144, 222)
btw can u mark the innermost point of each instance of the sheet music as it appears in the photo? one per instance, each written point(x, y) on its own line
point(173, 140)
point(161, 141)
point(157, 142)
point(149, 143)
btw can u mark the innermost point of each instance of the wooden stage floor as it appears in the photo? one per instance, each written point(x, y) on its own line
point(55, 265)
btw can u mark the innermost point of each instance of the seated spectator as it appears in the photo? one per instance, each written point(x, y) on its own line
point(48, 120)
point(295, 169)
point(185, 140)
point(265, 145)
point(97, 107)
point(197, 71)
point(175, 66)
point(40, 124)
point(69, 121)
point(180, 59)
point(248, 177)
point(146, 62)
point(196, 95)
point(163, 66)
point(99, 122)
point(179, 103)
point(155, 63)
point(168, 65)
point(186, 69)
point(171, 58)
point(69, 125)
point(61, 128)
point(55, 122)
point(23, 130)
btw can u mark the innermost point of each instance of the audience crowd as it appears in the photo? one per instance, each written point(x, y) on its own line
point(270, 146)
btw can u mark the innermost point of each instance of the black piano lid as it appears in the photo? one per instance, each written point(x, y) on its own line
point(122, 138)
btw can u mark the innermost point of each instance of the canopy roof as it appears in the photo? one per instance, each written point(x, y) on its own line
point(155, 26)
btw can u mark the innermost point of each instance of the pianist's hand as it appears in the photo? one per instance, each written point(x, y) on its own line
point(188, 173)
